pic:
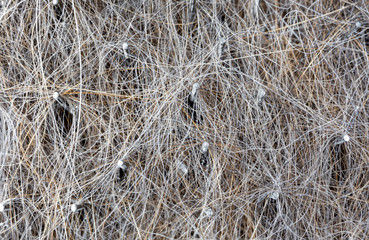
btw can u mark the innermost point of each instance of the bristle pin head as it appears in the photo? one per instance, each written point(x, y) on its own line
point(56, 95)
point(346, 138)
point(205, 147)
point(73, 208)
point(125, 46)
